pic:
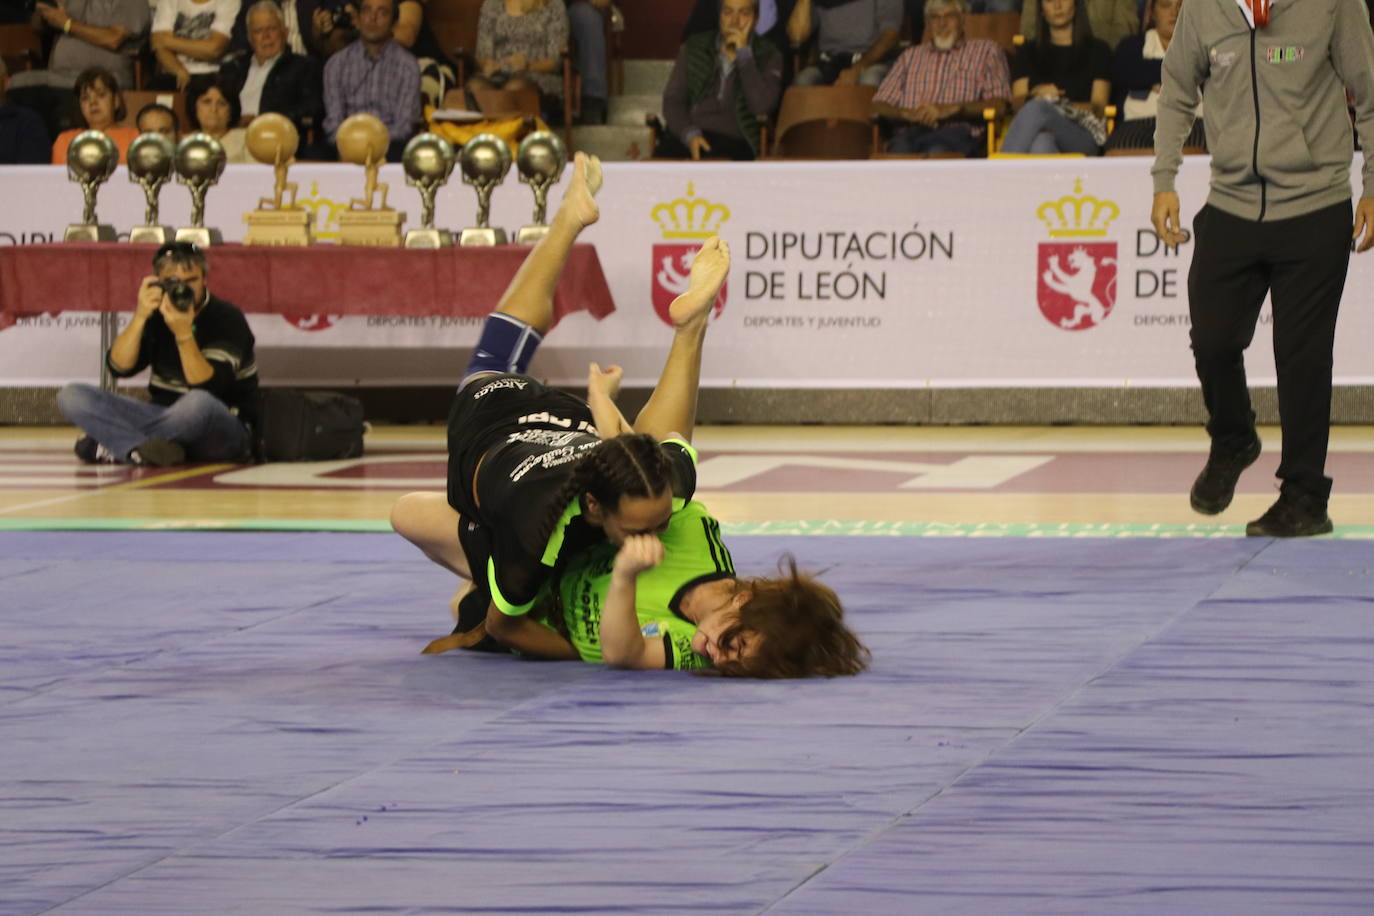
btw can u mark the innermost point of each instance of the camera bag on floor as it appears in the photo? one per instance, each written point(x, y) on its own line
point(297, 425)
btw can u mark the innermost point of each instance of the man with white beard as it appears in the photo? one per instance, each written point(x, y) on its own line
point(937, 90)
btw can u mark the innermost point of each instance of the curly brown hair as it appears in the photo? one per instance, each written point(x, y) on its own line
point(800, 629)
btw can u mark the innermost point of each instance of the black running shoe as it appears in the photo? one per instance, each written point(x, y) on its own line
point(92, 452)
point(1292, 516)
point(1216, 485)
point(158, 453)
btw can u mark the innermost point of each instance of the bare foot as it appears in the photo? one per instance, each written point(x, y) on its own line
point(709, 269)
point(579, 201)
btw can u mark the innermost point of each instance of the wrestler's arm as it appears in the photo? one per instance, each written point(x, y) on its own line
point(520, 631)
point(602, 387)
point(622, 643)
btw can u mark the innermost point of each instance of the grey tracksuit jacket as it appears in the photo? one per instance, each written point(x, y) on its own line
point(1276, 119)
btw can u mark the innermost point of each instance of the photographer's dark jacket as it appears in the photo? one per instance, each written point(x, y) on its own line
point(225, 341)
point(294, 87)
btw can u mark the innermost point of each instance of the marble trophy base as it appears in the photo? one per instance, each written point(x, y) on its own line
point(200, 236)
point(530, 235)
point(278, 227)
point(429, 238)
point(90, 232)
point(376, 228)
point(484, 236)
point(151, 235)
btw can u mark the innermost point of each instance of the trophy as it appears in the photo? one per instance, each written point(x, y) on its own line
point(200, 161)
point(150, 165)
point(362, 140)
point(486, 160)
point(428, 161)
point(278, 220)
point(91, 159)
point(540, 159)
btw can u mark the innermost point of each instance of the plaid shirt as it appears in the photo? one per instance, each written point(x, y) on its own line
point(972, 69)
point(387, 86)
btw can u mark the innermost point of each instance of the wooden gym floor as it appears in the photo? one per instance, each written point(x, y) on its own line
point(982, 481)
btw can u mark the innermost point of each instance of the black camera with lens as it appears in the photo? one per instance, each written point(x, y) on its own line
point(338, 9)
point(182, 296)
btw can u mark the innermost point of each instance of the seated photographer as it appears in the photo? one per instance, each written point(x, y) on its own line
point(375, 75)
point(204, 376)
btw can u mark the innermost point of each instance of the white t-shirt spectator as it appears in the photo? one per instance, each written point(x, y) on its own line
point(188, 19)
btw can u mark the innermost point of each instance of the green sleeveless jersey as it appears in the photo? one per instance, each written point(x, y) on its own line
point(693, 553)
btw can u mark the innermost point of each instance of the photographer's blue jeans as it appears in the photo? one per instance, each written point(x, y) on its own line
point(1040, 128)
point(199, 422)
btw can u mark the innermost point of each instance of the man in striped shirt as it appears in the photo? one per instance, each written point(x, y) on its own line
point(374, 75)
point(938, 89)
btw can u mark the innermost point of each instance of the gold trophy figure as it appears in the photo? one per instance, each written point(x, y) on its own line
point(428, 160)
point(362, 140)
point(200, 161)
point(485, 160)
point(278, 220)
point(91, 159)
point(540, 159)
point(150, 166)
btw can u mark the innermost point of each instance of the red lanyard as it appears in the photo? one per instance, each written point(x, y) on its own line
point(1260, 10)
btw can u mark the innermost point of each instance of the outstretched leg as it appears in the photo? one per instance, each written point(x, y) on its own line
point(672, 408)
point(530, 294)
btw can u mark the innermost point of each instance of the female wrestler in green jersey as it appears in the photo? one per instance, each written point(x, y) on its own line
point(763, 619)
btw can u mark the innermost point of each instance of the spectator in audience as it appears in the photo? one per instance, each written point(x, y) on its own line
point(773, 19)
point(1110, 20)
point(274, 78)
point(855, 37)
point(723, 85)
point(520, 50)
point(190, 37)
point(587, 22)
point(102, 107)
point(374, 75)
point(1136, 81)
point(939, 88)
point(336, 27)
point(155, 118)
point(90, 33)
point(1060, 86)
point(204, 375)
point(213, 108)
point(22, 137)
point(297, 17)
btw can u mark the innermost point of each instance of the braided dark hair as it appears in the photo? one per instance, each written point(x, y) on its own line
point(630, 465)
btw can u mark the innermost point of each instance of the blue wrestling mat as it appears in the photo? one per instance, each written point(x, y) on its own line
point(242, 723)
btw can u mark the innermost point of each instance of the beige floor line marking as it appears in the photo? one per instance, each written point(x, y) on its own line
point(127, 485)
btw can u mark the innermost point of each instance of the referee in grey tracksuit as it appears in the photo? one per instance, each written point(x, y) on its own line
point(1277, 221)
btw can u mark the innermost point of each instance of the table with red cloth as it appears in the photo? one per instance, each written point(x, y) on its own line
point(314, 280)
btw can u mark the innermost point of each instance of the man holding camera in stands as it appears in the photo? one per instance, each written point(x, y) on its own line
point(204, 376)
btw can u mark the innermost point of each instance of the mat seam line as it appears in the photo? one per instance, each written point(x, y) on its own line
point(294, 802)
point(877, 833)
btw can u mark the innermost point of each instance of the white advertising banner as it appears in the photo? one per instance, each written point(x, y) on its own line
point(845, 274)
